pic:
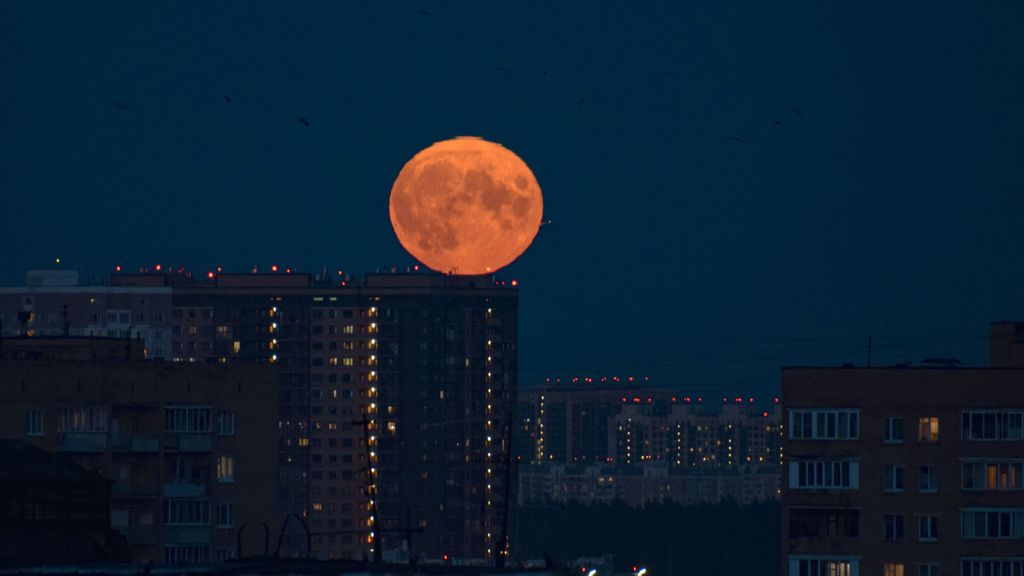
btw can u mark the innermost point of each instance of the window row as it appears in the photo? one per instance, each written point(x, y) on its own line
point(824, 424)
point(824, 474)
point(843, 424)
point(997, 523)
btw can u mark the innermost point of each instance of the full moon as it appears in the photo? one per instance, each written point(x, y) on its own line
point(466, 206)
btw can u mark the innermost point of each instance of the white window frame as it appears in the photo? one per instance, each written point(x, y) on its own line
point(187, 419)
point(825, 423)
point(933, 475)
point(824, 474)
point(34, 423)
point(897, 523)
point(226, 423)
point(971, 529)
point(1014, 467)
point(888, 431)
point(226, 515)
point(899, 477)
point(1004, 430)
point(927, 528)
point(974, 566)
point(825, 565)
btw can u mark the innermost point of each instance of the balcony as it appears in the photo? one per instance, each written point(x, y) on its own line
point(188, 534)
point(135, 489)
point(136, 445)
point(141, 535)
point(184, 489)
point(82, 442)
point(200, 442)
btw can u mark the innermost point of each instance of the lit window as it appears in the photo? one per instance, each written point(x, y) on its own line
point(225, 469)
point(928, 429)
point(993, 474)
point(892, 569)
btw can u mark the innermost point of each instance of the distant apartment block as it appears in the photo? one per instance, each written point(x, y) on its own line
point(904, 471)
point(596, 441)
point(190, 450)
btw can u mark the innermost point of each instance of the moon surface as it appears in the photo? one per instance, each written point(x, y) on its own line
point(466, 206)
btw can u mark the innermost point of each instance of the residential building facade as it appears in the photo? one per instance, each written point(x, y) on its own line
point(905, 470)
point(190, 450)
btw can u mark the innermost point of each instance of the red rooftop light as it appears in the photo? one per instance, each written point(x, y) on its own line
point(157, 267)
point(209, 275)
point(117, 268)
point(273, 268)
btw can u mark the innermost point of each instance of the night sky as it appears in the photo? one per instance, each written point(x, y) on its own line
point(733, 186)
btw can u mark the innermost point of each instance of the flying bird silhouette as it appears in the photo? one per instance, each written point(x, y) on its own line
point(737, 139)
point(580, 101)
point(424, 13)
point(777, 122)
point(121, 105)
point(304, 122)
point(227, 99)
point(797, 112)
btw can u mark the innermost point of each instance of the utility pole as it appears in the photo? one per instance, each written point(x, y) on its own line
point(869, 351)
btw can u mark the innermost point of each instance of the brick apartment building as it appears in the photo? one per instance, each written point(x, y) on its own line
point(191, 455)
point(395, 390)
point(904, 471)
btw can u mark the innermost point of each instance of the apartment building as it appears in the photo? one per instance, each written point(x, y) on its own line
point(594, 440)
point(395, 399)
point(190, 449)
point(903, 470)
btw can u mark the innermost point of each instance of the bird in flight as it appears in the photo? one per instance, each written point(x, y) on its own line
point(121, 105)
point(424, 12)
point(227, 99)
point(777, 122)
point(304, 122)
point(797, 112)
point(737, 139)
point(580, 101)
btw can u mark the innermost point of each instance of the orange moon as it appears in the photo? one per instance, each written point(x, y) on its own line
point(466, 206)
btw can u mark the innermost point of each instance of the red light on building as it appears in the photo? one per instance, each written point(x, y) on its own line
point(219, 269)
point(624, 399)
point(273, 268)
point(117, 268)
point(751, 400)
point(739, 400)
point(515, 283)
point(765, 414)
point(775, 400)
point(209, 275)
point(636, 399)
point(157, 267)
point(650, 400)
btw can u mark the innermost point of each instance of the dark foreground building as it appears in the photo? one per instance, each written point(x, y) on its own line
point(181, 456)
point(906, 471)
point(396, 390)
point(52, 509)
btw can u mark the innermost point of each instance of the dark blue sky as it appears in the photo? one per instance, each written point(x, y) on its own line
point(889, 203)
